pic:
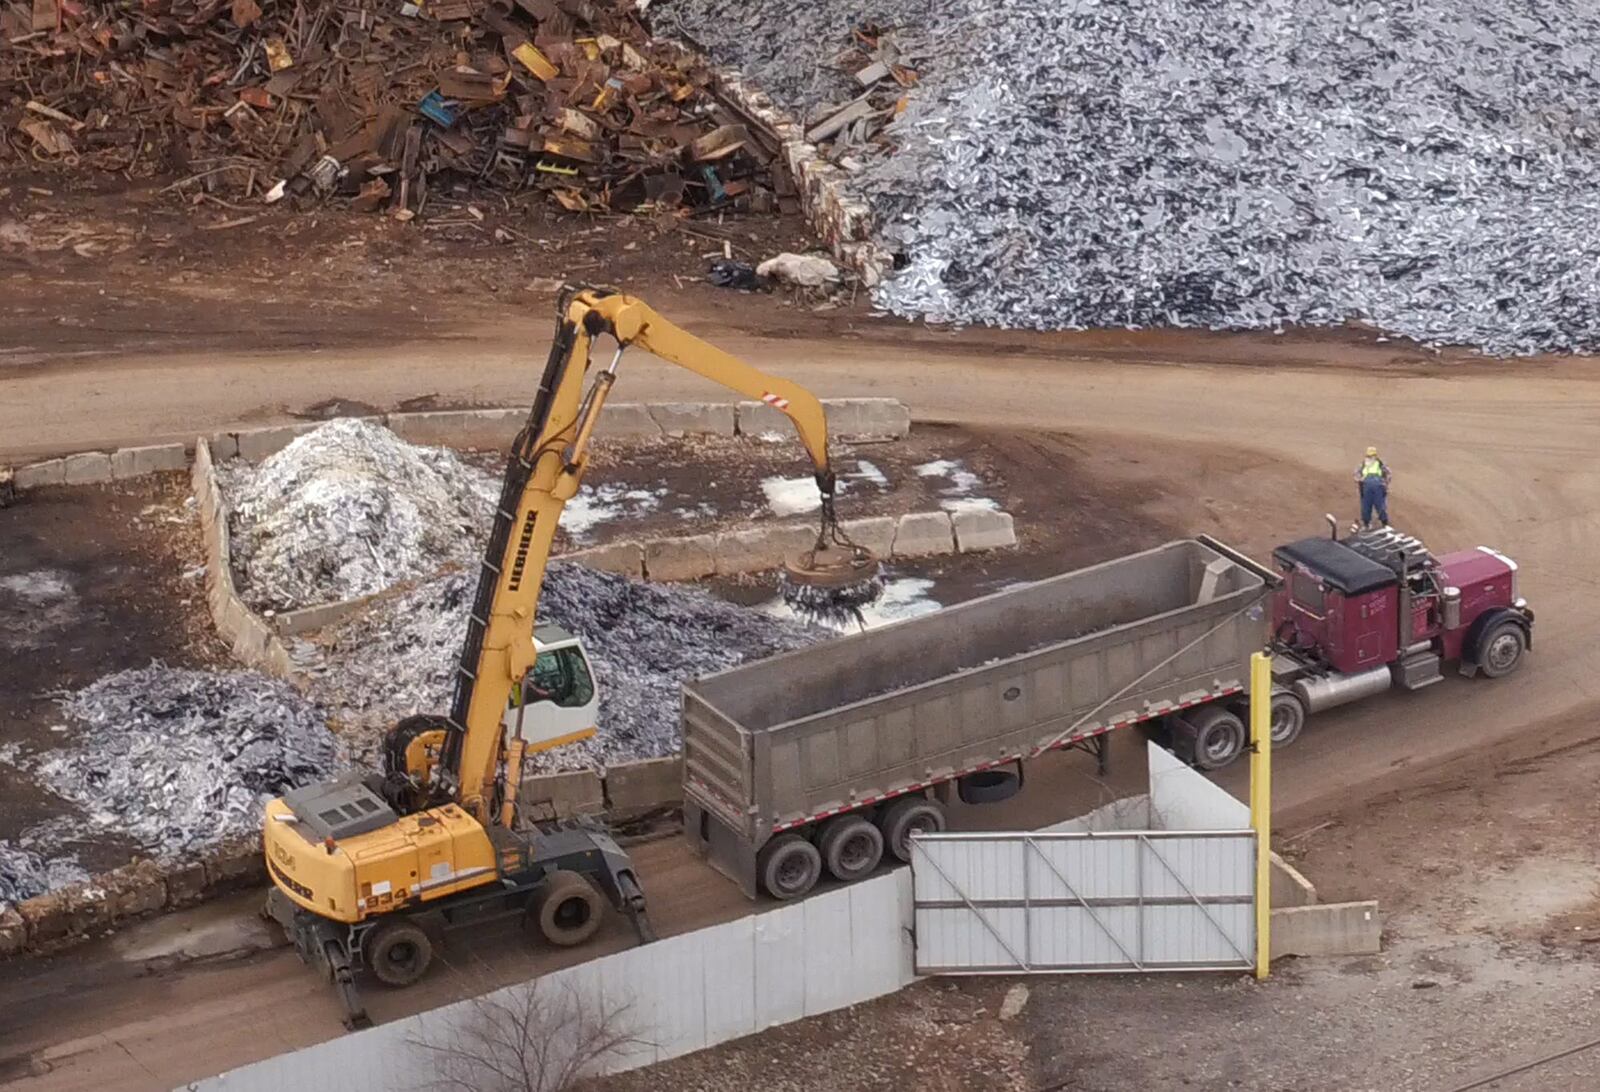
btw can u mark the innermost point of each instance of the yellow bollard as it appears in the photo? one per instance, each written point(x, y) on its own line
point(1261, 802)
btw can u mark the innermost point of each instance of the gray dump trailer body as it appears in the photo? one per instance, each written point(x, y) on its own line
point(844, 726)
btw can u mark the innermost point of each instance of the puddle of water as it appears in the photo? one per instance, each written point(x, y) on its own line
point(903, 597)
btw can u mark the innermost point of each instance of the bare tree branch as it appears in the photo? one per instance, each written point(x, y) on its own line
point(529, 1038)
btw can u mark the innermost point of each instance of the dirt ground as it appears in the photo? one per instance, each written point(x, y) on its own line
point(93, 580)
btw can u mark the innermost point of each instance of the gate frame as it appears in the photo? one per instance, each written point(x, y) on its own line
point(1136, 964)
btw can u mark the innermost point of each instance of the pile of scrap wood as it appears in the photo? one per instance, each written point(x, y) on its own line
point(380, 106)
point(847, 132)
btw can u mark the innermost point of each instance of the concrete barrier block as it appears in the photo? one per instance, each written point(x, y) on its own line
point(756, 548)
point(694, 418)
point(575, 792)
point(224, 445)
point(923, 534)
point(876, 533)
point(627, 420)
point(645, 785)
point(13, 933)
point(760, 421)
point(87, 468)
point(135, 462)
point(235, 866)
point(626, 557)
point(982, 529)
point(49, 472)
point(487, 428)
point(136, 889)
point(46, 917)
point(1289, 887)
point(867, 418)
point(1327, 929)
point(186, 883)
point(309, 618)
point(688, 558)
point(257, 443)
point(88, 907)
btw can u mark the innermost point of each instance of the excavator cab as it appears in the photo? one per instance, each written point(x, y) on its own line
point(557, 701)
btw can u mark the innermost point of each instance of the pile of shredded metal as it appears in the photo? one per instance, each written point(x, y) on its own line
point(397, 657)
point(1430, 167)
point(350, 509)
point(180, 760)
point(24, 873)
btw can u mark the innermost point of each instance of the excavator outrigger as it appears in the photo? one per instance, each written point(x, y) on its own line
point(371, 869)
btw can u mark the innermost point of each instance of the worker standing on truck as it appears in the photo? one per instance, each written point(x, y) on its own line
point(1372, 477)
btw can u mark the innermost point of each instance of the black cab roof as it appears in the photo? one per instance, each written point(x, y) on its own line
point(1339, 566)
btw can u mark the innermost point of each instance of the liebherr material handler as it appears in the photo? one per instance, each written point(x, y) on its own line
point(371, 869)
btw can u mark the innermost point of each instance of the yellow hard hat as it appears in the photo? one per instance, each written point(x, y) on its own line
point(1372, 453)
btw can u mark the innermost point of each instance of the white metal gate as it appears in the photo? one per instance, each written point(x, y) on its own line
point(1032, 903)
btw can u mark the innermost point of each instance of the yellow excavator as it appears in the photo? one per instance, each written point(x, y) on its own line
point(371, 870)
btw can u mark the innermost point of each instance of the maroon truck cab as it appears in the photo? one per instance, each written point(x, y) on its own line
point(1355, 616)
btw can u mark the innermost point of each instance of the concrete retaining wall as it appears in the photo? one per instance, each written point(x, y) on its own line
point(253, 640)
point(859, 419)
point(1327, 929)
point(133, 891)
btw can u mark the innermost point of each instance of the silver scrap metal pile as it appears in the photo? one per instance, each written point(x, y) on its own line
point(398, 656)
point(25, 873)
point(178, 760)
point(347, 510)
point(1425, 166)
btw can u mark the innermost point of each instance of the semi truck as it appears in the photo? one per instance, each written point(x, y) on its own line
point(826, 761)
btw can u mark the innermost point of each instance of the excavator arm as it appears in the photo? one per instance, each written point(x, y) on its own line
point(545, 468)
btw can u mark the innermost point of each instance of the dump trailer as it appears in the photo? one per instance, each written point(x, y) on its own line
point(828, 759)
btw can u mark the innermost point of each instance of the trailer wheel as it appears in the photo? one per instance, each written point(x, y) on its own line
point(1288, 718)
point(1500, 651)
point(789, 866)
point(907, 816)
point(851, 847)
point(398, 952)
point(1219, 737)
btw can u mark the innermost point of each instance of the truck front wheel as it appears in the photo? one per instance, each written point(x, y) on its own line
point(1500, 652)
point(789, 866)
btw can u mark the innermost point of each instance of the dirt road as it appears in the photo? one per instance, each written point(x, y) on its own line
point(1482, 453)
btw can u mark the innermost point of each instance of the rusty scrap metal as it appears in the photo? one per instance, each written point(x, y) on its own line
point(374, 107)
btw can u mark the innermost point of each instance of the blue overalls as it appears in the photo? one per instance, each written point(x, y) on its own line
point(1374, 492)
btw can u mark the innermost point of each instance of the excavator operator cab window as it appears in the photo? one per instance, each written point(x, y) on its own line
point(562, 676)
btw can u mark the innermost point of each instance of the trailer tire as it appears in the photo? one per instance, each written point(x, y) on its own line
point(789, 866)
point(851, 847)
point(907, 816)
point(1288, 718)
point(567, 909)
point(398, 952)
point(1501, 650)
point(1219, 737)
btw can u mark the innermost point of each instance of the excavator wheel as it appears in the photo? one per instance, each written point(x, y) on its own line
point(398, 952)
point(567, 911)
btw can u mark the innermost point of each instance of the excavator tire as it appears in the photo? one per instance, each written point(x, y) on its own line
point(567, 910)
point(398, 952)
